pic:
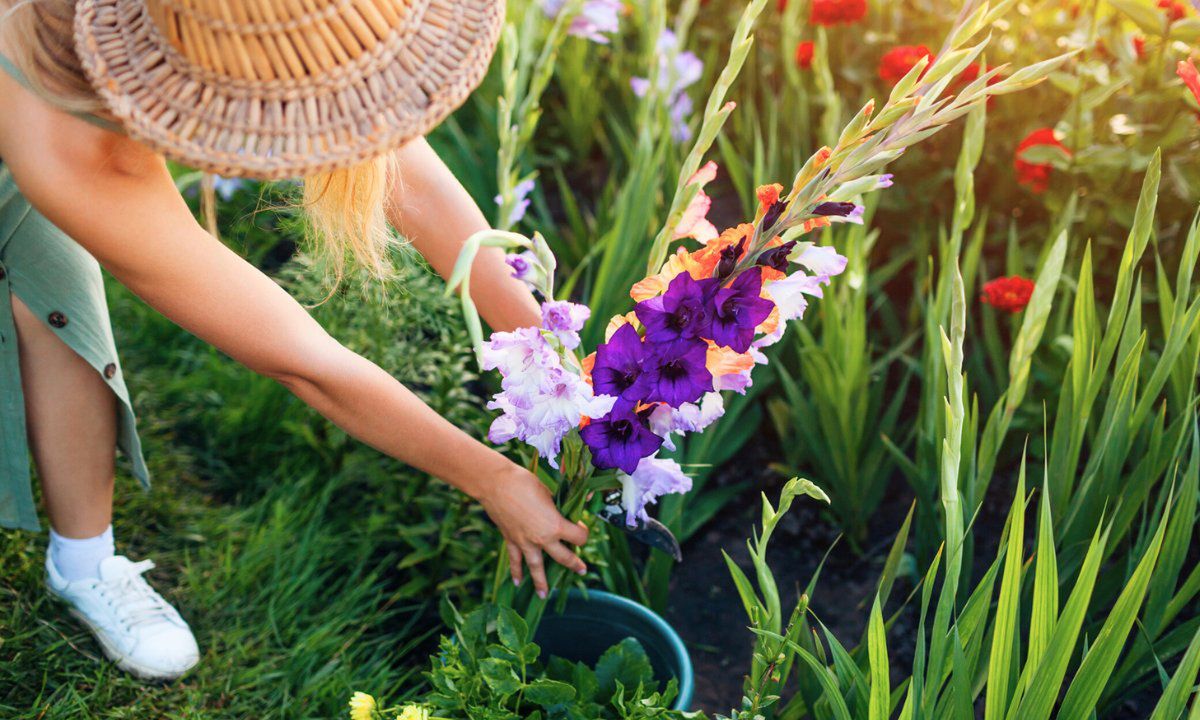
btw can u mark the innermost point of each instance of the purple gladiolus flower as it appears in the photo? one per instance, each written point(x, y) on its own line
point(776, 258)
point(834, 209)
point(771, 216)
point(680, 313)
point(678, 373)
point(653, 478)
point(738, 310)
point(854, 216)
point(620, 440)
point(729, 259)
point(885, 181)
point(565, 320)
point(618, 369)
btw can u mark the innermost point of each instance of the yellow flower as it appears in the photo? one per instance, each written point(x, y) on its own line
point(413, 712)
point(362, 706)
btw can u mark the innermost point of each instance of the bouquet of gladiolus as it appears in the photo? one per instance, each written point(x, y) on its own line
point(700, 319)
point(698, 327)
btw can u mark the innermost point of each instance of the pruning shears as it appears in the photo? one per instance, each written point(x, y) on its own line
point(648, 531)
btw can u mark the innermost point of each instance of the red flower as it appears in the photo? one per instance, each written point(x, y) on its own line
point(804, 54)
point(896, 63)
point(1139, 46)
point(1010, 294)
point(833, 12)
point(1175, 10)
point(1187, 72)
point(1036, 176)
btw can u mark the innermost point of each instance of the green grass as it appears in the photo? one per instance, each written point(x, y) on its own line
point(308, 565)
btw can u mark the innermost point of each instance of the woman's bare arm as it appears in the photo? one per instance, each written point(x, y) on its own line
point(435, 212)
point(117, 199)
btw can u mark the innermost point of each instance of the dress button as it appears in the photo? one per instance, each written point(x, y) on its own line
point(57, 319)
point(110, 370)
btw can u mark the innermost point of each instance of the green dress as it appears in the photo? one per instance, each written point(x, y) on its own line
point(61, 283)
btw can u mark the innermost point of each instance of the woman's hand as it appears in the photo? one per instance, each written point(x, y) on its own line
point(522, 508)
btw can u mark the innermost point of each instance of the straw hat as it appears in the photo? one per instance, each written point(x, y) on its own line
point(283, 88)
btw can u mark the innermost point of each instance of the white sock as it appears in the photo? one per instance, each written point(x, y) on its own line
point(80, 558)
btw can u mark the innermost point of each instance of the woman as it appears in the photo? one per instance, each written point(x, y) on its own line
point(93, 95)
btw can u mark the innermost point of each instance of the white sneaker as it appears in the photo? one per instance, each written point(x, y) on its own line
point(138, 630)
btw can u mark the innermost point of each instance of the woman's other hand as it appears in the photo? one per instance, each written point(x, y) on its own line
point(523, 509)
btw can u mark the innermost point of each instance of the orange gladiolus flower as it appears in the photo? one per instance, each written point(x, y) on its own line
point(768, 194)
point(724, 361)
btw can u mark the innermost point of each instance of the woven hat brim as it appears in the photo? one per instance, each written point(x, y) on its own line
point(276, 129)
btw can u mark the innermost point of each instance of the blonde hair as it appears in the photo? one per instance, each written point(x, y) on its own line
point(345, 210)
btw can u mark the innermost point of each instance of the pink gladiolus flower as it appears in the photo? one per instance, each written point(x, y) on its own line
point(694, 223)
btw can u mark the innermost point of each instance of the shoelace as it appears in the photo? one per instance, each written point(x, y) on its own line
point(133, 600)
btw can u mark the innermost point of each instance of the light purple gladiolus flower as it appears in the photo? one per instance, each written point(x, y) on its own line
point(885, 180)
point(520, 263)
point(667, 421)
point(525, 267)
point(822, 260)
point(789, 293)
point(674, 78)
point(540, 401)
point(516, 352)
point(653, 478)
point(595, 18)
point(565, 320)
point(520, 201)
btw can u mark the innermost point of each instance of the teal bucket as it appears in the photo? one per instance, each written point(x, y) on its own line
point(589, 625)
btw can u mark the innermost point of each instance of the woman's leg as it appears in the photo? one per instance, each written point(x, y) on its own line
point(72, 424)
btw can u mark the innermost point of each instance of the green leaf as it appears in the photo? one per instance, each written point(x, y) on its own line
point(1001, 670)
point(549, 693)
point(1045, 585)
point(499, 676)
point(1174, 699)
point(1094, 671)
point(624, 663)
point(1045, 679)
point(511, 628)
point(880, 707)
